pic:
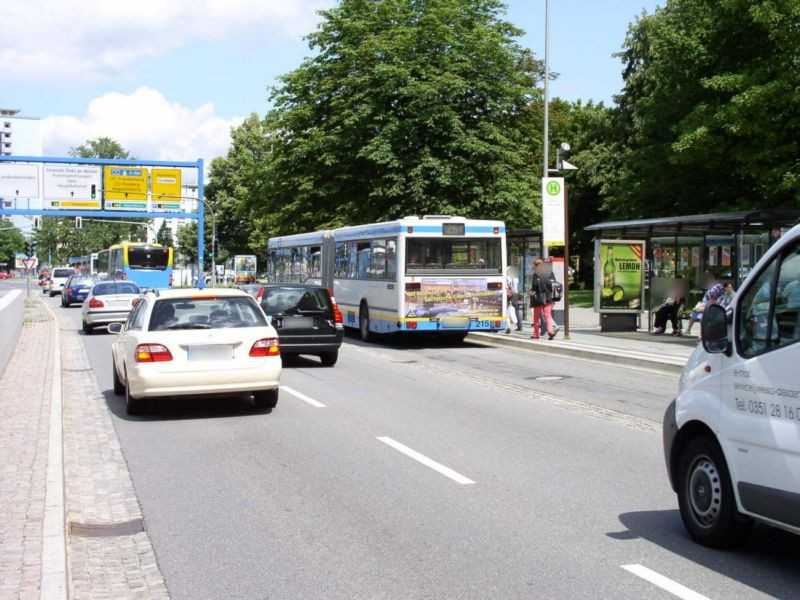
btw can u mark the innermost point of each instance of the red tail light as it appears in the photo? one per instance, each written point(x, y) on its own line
point(95, 303)
point(69, 291)
point(152, 353)
point(411, 324)
point(266, 347)
point(338, 319)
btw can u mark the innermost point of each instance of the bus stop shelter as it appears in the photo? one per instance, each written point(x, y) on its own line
point(685, 247)
point(523, 246)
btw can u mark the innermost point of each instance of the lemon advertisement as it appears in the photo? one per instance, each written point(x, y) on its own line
point(620, 274)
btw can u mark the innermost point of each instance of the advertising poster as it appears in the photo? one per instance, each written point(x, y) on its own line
point(712, 256)
point(695, 256)
point(621, 276)
point(244, 268)
point(726, 256)
point(453, 298)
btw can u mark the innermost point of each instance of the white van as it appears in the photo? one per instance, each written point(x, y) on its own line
point(58, 278)
point(732, 435)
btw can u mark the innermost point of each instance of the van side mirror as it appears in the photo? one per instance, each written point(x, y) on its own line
point(714, 329)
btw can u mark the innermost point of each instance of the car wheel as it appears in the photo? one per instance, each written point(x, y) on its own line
point(329, 358)
point(87, 329)
point(266, 399)
point(363, 322)
point(705, 496)
point(133, 406)
point(119, 387)
point(52, 294)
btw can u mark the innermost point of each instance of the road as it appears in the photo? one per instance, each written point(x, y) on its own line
point(548, 479)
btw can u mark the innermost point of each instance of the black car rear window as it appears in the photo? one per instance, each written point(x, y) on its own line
point(63, 272)
point(116, 287)
point(206, 313)
point(295, 299)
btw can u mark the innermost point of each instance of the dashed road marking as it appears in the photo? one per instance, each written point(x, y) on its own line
point(302, 397)
point(665, 583)
point(428, 462)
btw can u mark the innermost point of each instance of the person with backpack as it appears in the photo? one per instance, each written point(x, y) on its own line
point(542, 298)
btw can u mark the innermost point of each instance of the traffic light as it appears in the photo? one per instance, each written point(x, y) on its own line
point(27, 249)
point(94, 193)
point(37, 222)
point(79, 222)
point(33, 247)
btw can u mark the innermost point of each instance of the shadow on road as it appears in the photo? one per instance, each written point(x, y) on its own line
point(176, 409)
point(412, 341)
point(767, 561)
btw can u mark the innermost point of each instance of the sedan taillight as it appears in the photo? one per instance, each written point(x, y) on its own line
point(265, 347)
point(95, 303)
point(152, 353)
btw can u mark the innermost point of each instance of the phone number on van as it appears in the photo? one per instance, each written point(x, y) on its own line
point(769, 409)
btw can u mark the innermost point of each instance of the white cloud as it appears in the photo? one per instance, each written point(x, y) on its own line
point(146, 124)
point(80, 40)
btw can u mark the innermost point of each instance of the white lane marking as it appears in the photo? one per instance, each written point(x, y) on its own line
point(54, 532)
point(428, 462)
point(302, 397)
point(666, 584)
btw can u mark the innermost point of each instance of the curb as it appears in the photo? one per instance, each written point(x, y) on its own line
point(625, 358)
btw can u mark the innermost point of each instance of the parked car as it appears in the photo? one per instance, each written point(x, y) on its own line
point(77, 288)
point(189, 342)
point(251, 288)
point(4, 275)
point(306, 318)
point(57, 280)
point(108, 302)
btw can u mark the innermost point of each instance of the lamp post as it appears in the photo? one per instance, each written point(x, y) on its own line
point(213, 242)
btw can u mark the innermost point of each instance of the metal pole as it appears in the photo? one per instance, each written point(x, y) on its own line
point(201, 281)
point(545, 172)
point(566, 263)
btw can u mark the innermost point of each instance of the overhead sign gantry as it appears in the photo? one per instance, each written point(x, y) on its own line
point(99, 187)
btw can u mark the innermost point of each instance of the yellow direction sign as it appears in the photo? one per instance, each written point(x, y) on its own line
point(165, 186)
point(125, 188)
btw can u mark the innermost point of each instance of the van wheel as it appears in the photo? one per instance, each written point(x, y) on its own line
point(363, 322)
point(133, 406)
point(329, 358)
point(266, 399)
point(705, 496)
point(119, 387)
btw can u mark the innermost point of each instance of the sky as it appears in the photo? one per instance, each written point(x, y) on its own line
point(168, 80)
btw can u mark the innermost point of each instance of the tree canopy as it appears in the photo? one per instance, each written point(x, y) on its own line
point(406, 107)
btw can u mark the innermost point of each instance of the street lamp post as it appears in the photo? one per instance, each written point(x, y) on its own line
point(213, 242)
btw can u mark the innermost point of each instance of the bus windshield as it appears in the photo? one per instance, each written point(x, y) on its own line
point(444, 253)
point(144, 257)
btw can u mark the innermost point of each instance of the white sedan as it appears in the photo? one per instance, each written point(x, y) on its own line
point(190, 342)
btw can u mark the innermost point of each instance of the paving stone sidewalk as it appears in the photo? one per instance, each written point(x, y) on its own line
point(109, 554)
point(25, 393)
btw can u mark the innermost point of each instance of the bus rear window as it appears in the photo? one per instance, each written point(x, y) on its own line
point(453, 254)
point(148, 258)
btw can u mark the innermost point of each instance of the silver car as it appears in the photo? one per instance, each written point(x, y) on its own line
point(109, 302)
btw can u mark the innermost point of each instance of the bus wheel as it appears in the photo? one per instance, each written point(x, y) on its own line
point(363, 322)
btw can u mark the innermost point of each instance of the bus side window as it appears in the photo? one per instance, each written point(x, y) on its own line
point(378, 269)
point(391, 259)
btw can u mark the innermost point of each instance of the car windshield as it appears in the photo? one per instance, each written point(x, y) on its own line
point(294, 300)
point(116, 287)
point(206, 313)
point(82, 281)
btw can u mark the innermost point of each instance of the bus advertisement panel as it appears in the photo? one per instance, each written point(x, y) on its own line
point(244, 268)
point(454, 298)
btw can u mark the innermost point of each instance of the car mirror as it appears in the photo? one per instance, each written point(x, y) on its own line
point(115, 328)
point(714, 330)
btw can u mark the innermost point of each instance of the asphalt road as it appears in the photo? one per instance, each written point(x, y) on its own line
point(553, 485)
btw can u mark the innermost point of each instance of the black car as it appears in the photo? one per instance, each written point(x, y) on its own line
point(306, 318)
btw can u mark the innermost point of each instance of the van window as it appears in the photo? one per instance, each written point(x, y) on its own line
point(769, 309)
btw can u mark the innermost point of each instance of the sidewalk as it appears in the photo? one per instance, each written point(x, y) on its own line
point(635, 348)
point(70, 522)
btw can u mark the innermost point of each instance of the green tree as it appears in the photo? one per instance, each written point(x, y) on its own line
point(406, 107)
point(11, 241)
point(710, 109)
point(164, 235)
point(102, 147)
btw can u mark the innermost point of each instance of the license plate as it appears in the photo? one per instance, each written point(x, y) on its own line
point(455, 323)
point(210, 352)
point(297, 322)
point(81, 296)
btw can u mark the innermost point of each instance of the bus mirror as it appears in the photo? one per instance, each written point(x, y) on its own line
point(714, 330)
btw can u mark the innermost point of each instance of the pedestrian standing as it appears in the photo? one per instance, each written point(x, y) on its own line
point(542, 299)
point(512, 297)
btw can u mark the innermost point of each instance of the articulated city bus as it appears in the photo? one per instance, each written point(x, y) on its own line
point(148, 265)
point(431, 274)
